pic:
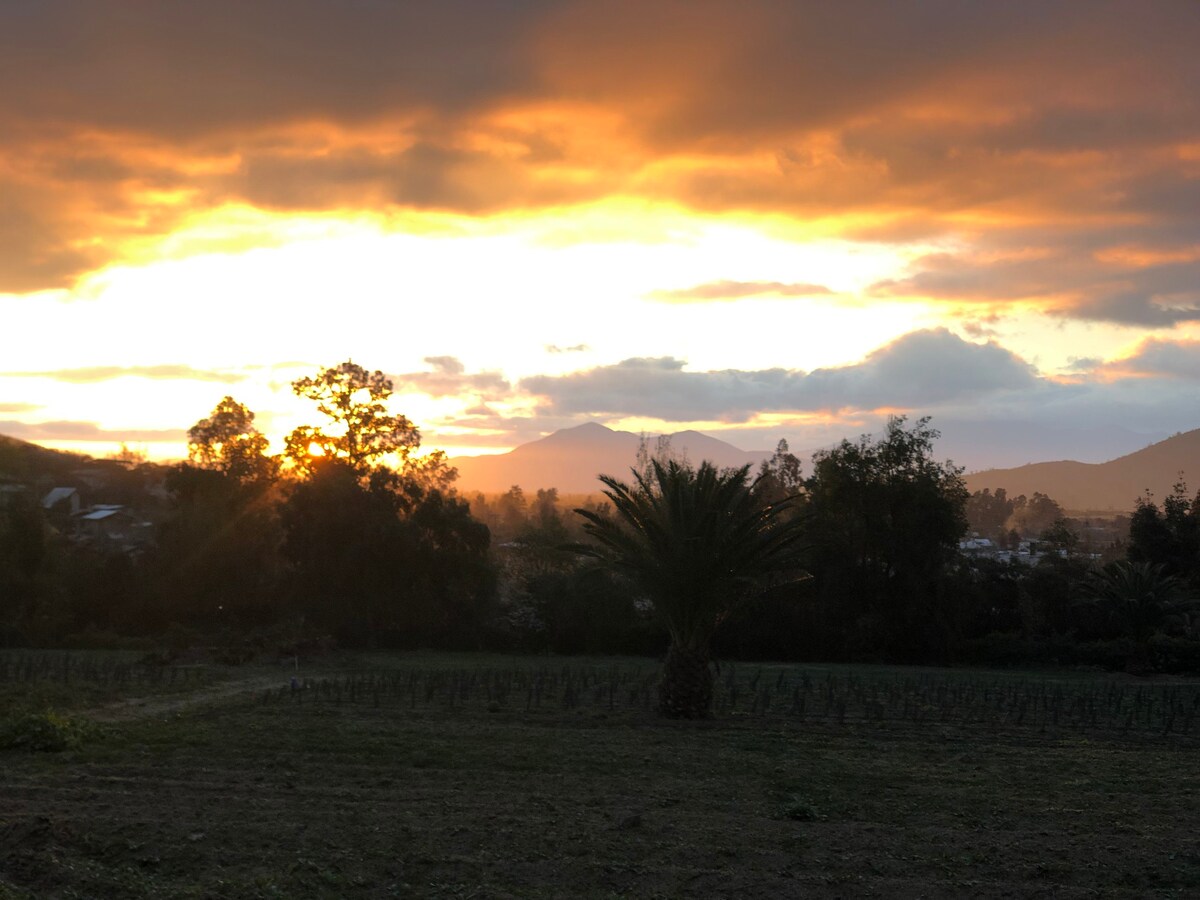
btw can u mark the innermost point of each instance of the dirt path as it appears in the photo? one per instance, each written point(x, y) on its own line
point(207, 695)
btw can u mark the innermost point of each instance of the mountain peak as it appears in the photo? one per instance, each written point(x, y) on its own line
point(571, 459)
point(587, 430)
point(587, 433)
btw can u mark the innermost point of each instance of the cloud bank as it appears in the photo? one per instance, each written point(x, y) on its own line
point(921, 369)
point(449, 378)
point(1057, 145)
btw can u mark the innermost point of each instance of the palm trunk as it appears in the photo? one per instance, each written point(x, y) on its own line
point(686, 689)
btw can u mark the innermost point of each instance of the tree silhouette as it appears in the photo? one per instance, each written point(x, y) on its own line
point(217, 562)
point(987, 513)
point(360, 430)
point(1169, 536)
point(1141, 597)
point(227, 442)
point(782, 475)
point(886, 521)
point(381, 549)
point(698, 543)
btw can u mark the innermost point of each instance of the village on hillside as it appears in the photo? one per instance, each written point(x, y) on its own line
point(113, 505)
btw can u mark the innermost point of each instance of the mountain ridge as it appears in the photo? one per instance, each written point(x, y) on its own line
point(1112, 486)
point(570, 459)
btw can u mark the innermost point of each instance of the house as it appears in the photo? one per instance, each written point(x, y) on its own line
point(977, 546)
point(60, 505)
point(112, 527)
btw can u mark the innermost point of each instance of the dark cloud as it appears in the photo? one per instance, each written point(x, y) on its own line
point(426, 175)
point(713, 72)
point(449, 378)
point(105, 103)
point(35, 250)
point(705, 71)
point(93, 374)
point(905, 120)
point(185, 70)
point(87, 431)
point(921, 369)
point(735, 290)
point(1077, 281)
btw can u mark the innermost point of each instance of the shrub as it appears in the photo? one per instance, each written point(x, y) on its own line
point(44, 732)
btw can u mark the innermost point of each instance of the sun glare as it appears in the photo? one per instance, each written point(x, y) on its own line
point(498, 294)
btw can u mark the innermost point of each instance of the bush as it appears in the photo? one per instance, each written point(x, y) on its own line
point(1175, 655)
point(44, 732)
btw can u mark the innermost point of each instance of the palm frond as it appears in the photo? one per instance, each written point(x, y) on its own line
point(698, 542)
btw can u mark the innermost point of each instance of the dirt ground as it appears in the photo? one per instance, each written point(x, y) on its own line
point(240, 792)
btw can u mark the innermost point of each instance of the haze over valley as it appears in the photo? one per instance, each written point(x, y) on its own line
point(569, 460)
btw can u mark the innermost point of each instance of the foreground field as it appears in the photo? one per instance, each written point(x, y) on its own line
point(464, 776)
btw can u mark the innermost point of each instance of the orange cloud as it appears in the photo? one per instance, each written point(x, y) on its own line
point(894, 123)
point(1156, 358)
point(94, 374)
point(733, 290)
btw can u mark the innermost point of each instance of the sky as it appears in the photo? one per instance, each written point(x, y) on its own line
point(759, 220)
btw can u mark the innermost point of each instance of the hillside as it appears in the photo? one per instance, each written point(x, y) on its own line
point(1113, 486)
point(571, 459)
point(23, 460)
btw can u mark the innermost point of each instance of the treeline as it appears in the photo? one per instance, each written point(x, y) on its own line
point(1008, 522)
point(351, 537)
point(889, 579)
point(348, 535)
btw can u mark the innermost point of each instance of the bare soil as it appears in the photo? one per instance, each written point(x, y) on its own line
point(246, 788)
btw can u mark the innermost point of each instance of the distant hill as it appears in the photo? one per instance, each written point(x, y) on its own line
point(571, 459)
point(1112, 486)
point(23, 460)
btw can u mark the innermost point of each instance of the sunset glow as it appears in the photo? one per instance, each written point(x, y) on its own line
point(750, 221)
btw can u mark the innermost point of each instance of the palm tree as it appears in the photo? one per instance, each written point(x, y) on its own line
point(698, 543)
point(1141, 597)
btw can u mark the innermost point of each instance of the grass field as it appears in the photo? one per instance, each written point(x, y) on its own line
point(470, 776)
